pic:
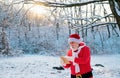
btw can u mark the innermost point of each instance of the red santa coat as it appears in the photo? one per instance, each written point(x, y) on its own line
point(83, 60)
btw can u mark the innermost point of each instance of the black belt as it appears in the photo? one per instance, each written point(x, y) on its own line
point(86, 75)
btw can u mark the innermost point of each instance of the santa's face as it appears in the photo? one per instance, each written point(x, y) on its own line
point(74, 45)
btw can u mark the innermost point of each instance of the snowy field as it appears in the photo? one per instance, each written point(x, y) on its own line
point(34, 66)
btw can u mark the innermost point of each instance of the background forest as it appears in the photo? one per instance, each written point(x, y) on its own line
point(43, 27)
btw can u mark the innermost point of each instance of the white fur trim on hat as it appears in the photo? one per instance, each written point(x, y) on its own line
point(74, 40)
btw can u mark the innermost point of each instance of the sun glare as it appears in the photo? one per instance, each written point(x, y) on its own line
point(39, 10)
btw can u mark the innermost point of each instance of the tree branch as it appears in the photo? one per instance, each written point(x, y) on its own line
point(90, 23)
point(95, 25)
point(55, 4)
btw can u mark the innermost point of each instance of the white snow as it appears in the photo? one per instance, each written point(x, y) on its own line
point(36, 66)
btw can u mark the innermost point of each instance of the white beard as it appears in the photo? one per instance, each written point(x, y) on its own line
point(73, 49)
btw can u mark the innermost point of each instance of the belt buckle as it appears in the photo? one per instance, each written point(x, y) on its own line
point(78, 76)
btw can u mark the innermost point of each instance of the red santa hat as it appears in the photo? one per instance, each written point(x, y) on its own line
point(74, 38)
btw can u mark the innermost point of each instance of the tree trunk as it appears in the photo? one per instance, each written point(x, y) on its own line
point(116, 13)
point(5, 44)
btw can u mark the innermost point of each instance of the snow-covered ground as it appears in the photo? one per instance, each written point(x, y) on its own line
point(35, 66)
